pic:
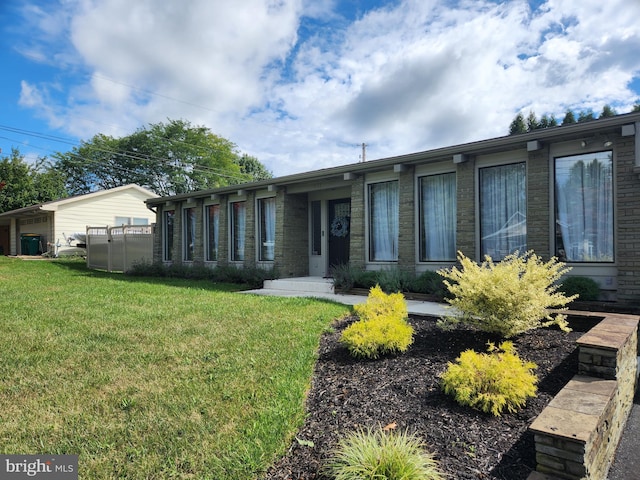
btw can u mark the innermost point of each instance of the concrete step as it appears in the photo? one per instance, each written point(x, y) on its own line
point(301, 284)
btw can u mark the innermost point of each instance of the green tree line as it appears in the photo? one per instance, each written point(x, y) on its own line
point(167, 158)
point(522, 124)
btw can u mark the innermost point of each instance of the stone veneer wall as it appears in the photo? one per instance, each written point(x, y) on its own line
point(538, 202)
point(466, 206)
point(292, 237)
point(627, 190)
point(357, 247)
point(577, 434)
point(407, 221)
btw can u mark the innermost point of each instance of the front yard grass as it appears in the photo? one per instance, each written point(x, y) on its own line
point(151, 378)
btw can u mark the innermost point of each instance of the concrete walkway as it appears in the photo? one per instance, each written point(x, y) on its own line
point(318, 287)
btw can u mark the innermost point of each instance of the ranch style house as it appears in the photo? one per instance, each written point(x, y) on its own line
point(570, 191)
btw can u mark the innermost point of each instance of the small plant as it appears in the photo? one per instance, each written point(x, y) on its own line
point(382, 327)
point(381, 455)
point(491, 382)
point(394, 280)
point(509, 297)
point(584, 288)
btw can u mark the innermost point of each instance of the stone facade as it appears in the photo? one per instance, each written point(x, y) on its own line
point(294, 194)
point(538, 202)
point(407, 221)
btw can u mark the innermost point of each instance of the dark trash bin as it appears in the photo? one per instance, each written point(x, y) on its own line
point(30, 244)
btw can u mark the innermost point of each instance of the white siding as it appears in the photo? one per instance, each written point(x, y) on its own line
point(100, 210)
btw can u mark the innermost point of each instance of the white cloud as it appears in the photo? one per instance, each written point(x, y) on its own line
point(295, 84)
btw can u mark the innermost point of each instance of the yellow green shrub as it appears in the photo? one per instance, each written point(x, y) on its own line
point(508, 297)
point(491, 382)
point(380, 304)
point(382, 327)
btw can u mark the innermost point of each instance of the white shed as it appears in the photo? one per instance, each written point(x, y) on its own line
point(58, 227)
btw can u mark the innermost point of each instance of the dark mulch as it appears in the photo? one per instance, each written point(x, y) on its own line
point(347, 394)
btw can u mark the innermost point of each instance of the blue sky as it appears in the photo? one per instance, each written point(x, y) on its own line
point(301, 84)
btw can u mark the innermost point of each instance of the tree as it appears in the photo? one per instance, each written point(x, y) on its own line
point(569, 118)
point(586, 116)
point(607, 111)
point(636, 107)
point(253, 169)
point(548, 122)
point(532, 122)
point(167, 158)
point(22, 185)
point(517, 125)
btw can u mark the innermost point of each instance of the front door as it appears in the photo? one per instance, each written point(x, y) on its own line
point(339, 231)
point(330, 227)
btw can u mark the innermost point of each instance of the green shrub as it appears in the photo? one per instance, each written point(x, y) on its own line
point(252, 277)
point(509, 297)
point(380, 455)
point(585, 288)
point(346, 277)
point(429, 282)
point(491, 382)
point(393, 280)
point(382, 327)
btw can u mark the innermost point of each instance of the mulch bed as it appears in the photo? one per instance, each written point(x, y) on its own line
point(404, 390)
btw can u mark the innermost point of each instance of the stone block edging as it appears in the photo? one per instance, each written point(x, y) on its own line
point(576, 435)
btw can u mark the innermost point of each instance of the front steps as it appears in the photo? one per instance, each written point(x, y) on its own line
point(318, 285)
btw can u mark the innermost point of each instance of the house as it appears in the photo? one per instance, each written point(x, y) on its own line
point(570, 191)
point(58, 227)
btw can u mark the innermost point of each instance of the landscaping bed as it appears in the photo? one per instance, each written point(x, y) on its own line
point(403, 391)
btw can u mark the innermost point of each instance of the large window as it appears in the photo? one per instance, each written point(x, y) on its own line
point(267, 227)
point(584, 207)
point(189, 233)
point(213, 230)
point(168, 218)
point(383, 221)
point(438, 217)
point(503, 210)
point(238, 222)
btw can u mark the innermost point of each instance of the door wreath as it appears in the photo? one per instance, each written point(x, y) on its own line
point(340, 227)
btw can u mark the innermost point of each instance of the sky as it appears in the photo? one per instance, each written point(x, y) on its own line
point(302, 84)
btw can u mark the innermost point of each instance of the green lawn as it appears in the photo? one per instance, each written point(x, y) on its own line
point(151, 378)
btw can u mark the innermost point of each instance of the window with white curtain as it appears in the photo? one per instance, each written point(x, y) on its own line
point(189, 232)
point(438, 217)
point(213, 229)
point(503, 210)
point(383, 221)
point(238, 222)
point(584, 207)
point(168, 217)
point(267, 227)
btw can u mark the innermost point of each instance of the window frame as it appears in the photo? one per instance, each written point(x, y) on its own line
point(556, 232)
point(420, 250)
point(189, 227)
point(371, 247)
point(501, 161)
point(234, 254)
point(168, 231)
point(209, 231)
point(262, 229)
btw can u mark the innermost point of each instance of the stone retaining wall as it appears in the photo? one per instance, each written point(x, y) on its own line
point(576, 435)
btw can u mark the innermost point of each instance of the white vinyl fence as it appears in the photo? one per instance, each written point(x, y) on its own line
point(117, 249)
